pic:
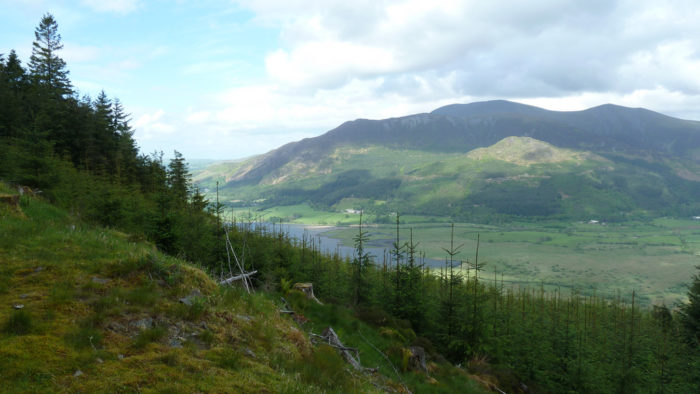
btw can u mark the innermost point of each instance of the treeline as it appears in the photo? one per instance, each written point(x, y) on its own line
point(550, 340)
point(80, 153)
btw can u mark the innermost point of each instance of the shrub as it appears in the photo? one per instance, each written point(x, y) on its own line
point(228, 359)
point(149, 335)
point(19, 323)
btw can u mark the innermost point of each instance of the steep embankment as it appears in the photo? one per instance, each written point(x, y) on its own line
point(89, 309)
point(86, 309)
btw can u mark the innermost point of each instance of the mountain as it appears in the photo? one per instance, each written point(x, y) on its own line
point(472, 159)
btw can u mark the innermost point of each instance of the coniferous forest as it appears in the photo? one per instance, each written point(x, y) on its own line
point(78, 153)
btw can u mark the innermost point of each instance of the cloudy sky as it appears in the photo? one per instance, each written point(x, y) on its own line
point(229, 79)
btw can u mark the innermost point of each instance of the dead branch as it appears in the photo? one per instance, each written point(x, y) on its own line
point(237, 277)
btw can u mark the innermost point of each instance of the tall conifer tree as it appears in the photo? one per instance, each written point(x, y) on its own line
point(47, 69)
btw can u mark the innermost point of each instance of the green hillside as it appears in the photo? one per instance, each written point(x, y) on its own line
point(516, 177)
point(482, 162)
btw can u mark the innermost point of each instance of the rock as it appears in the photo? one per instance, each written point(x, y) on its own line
point(120, 356)
point(189, 300)
point(99, 360)
point(175, 343)
point(116, 327)
point(250, 353)
point(78, 373)
point(244, 317)
point(99, 280)
point(18, 306)
point(142, 324)
point(203, 324)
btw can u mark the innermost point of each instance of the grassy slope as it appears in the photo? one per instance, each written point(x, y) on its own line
point(97, 302)
point(84, 290)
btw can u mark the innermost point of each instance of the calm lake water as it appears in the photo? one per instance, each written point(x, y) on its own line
point(327, 244)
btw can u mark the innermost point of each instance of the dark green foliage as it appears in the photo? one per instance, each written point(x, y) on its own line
point(228, 358)
point(514, 198)
point(550, 341)
point(690, 312)
point(20, 322)
point(352, 183)
point(360, 267)
point(48, 70)
point(149, 335)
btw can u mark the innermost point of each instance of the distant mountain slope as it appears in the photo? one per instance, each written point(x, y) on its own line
point(467, 158)
point(606, 127)
point(463, 127)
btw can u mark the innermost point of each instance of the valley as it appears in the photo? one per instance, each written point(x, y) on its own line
point(581, 199)
point(653, 258)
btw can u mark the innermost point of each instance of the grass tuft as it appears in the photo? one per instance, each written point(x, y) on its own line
point(149, 335)
point(19, 323)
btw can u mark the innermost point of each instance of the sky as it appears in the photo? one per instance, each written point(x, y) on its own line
point(231, 79)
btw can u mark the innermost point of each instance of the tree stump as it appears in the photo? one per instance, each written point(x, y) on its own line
point(417, 360)
point(308, 289)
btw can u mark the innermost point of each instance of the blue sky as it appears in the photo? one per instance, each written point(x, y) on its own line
point(230, 79)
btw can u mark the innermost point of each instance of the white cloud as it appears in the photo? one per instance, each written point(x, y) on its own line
point(547, 47)
point(74, 53)
point(152, 125)
point(339, 60)
point(117, 6)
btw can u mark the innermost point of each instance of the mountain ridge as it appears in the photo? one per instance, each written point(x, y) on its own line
point(463, 127)
point(635, 159)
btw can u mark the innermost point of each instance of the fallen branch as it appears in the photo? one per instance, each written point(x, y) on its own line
point(237, 277)
point(329, 337)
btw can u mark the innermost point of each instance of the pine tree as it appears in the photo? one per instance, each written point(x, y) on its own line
point(13, 73)
point(48, 70)
point(690, 312)
point(360, 265)
point(179, 179)
point(13, 84)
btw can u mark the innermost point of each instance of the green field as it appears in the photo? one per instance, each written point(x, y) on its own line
point(656, 258)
